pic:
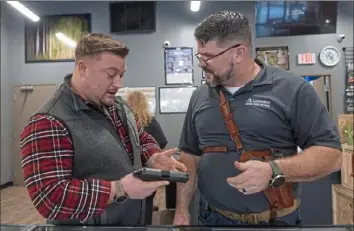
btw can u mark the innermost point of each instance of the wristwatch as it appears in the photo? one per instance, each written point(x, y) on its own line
point(120, 196)
point(278, 178)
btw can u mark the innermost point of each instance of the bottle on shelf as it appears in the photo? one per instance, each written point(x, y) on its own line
point(349, 91)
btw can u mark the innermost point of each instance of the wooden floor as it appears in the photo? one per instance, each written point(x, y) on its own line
point(17, 208)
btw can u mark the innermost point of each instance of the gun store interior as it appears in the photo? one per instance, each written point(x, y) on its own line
point(244, 121)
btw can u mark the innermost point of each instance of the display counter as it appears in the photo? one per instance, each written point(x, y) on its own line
point(168, 228)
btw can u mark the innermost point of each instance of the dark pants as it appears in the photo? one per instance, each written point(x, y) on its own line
point(209, 217)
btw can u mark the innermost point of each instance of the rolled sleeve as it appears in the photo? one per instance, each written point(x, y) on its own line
point(189, 141)
point(311, 122)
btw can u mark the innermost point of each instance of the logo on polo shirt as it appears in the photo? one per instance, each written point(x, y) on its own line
point(257, 103)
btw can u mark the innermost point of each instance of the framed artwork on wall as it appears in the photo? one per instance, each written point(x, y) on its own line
point(149, 92)
point(178, 65)
point(54, 37)
point(175, 100)
point(275, 56)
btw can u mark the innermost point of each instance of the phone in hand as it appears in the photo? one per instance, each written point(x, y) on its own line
point(150, 174)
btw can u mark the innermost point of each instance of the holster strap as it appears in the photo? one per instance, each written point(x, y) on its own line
point(256, 218)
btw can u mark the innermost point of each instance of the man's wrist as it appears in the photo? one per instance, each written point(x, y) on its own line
point(151, 161)
point(119, 189)
point(278, 164)
point(182, 209)
point(121, 196)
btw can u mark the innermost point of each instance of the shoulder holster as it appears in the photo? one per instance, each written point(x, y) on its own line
point(278, 198)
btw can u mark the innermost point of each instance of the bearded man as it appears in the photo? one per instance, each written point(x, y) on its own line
point(242, 130)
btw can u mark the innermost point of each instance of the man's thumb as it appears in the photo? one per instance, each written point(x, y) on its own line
point(240, 166)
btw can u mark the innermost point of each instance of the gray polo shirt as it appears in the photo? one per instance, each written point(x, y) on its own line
point(276, 110)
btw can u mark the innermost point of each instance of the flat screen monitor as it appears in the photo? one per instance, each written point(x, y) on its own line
point(289, 18)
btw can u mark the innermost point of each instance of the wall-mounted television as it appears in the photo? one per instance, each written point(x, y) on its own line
point(289, 18)
point(132, 16)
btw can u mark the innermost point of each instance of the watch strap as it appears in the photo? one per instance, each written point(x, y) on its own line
point(120, 193)
point(275, 168)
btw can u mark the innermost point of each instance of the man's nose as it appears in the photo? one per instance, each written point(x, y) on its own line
point(202, 63)
point(118, 82)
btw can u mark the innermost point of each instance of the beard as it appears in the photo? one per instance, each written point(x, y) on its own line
point(214, 80)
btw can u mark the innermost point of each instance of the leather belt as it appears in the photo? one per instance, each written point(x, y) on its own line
point(256, 218)
point(216, 149)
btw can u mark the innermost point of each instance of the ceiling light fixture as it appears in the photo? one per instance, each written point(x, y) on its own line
point(66, 40)
point(195, 5)
point(24, 10)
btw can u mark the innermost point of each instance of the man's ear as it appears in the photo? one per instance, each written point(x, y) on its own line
point(82, 68)
point(240, 53)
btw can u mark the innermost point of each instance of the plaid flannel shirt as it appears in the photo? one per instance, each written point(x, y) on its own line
point(47, 162)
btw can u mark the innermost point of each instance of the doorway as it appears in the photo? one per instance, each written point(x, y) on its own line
point(27, 99)
point(322, 85)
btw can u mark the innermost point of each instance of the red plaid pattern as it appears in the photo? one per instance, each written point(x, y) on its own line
point(47, 161)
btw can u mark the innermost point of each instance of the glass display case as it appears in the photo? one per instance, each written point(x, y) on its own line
point(167, 228)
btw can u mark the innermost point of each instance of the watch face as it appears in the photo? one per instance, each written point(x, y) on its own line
point(278, 181)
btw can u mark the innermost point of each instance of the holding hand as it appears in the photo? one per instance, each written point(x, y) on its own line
point(138, 189)
point(165, 161)
point(254, 177)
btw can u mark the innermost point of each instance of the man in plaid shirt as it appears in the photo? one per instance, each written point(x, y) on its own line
point(79, 150)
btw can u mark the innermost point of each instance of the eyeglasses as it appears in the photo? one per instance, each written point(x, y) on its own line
point(222, 52)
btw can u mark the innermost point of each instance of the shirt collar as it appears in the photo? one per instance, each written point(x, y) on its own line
point(79, 102)
point(264, 77)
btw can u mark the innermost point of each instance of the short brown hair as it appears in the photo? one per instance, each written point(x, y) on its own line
point(224, 27)
point(95, 43)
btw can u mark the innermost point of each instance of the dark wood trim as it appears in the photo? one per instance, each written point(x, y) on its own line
point(8, 184)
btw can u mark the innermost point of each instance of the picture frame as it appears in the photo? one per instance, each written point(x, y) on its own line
point(274, 56)
point(178, 65)
point(175, 100)
point(54, 37)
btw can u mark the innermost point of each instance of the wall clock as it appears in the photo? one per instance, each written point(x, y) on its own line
point(329, 56)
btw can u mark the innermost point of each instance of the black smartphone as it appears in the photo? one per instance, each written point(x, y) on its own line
point(150, 174)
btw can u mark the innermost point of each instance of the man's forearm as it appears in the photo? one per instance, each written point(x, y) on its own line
point(311, 164)
point(186, 190)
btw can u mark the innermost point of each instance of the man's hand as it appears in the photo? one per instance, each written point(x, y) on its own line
point(165, 161)
point(254, 177)
point(138, 189)
point(181, 218)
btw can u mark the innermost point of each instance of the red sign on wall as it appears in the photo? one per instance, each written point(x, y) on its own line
point(306, 58)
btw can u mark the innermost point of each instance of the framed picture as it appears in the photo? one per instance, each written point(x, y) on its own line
point(178, 65)
point(149, 92)
point(274, 56)
point(54, 37)
point(175, 100)
point(203, 81)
